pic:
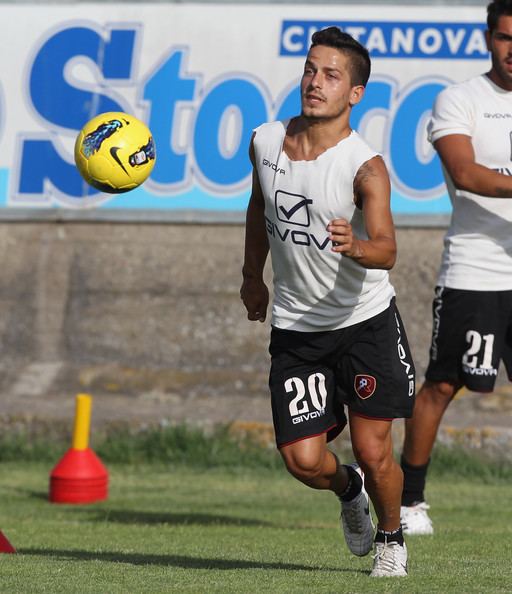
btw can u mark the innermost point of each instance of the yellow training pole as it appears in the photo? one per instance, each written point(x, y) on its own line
point(82, 422)
point(79, 476)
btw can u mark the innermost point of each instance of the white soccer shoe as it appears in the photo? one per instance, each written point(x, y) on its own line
point(389, 560)
point(356, 521)
point(415, 519)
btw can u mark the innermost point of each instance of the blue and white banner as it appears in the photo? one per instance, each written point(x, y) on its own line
point(202, 82)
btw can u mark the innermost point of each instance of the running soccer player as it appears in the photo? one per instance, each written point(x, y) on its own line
point(471, 128)
point(320, 203)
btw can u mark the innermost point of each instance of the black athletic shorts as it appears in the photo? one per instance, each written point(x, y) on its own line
point(367, 366)
point(471, 333)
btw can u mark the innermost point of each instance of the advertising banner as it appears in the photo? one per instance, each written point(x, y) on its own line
point(202, 77)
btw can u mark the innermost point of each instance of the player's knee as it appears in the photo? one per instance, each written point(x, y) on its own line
point(437, 393)
point(373, 458)
point(303, 466)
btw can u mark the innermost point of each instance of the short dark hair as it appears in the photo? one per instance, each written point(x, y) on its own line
point(495, 10)
point(359, 58)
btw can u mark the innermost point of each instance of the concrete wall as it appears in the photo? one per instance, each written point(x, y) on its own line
point(152, 310)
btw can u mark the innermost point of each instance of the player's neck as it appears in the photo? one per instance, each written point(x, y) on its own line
point(307, 138)
point(499, 81)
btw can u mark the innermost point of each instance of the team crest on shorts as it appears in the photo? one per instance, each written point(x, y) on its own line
point(364, 385)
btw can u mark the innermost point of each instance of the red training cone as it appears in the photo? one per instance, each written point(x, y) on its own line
point(79, 477)
point(5, 545)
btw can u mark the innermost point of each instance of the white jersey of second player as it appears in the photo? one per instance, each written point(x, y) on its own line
point(315, 289)
point(478, 245)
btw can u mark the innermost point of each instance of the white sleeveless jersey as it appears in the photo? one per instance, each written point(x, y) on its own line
point(315, 289)
point(478, 245)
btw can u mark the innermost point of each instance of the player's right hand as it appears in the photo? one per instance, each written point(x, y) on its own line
point(255, 297)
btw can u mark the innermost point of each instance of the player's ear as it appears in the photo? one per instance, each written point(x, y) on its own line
point(356, 94)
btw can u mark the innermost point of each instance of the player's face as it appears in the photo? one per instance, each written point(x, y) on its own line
point(499, 43)
point(326, 88)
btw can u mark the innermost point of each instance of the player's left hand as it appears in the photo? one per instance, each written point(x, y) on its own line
point(343, 239)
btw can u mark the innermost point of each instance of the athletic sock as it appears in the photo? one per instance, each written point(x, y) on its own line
point(390, 536)
point(414, 482)
point(355, 484)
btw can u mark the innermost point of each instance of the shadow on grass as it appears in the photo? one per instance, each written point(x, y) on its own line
point(42, 495)
point(175, 519)
point(180, 561)
point(27, 492)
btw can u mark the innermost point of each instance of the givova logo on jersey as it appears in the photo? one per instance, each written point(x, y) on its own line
point(309, 399)
point(403, 356)
point(273, 166)
point(292, 211)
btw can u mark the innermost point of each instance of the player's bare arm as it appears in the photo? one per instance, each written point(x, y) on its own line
point(254, 292)
point(458, 157)
point(372, 195)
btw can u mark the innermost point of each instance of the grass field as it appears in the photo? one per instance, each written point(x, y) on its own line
point(187, 529)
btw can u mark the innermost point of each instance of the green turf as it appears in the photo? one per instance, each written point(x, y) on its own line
point(181, 529)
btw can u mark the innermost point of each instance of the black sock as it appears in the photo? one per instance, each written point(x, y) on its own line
point(390, 536)
point(355, 484)
point(414, 482)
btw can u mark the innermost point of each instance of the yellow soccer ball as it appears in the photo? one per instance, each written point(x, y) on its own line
point(115, 152)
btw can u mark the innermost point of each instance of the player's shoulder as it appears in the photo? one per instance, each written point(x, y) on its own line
point(355, 153)
point(467, 90)
point(358, 140)
point(360, 147)
point(276, 127)
point(467, 83)
point(460, 101)
point(269, 133)
point(268, 136)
